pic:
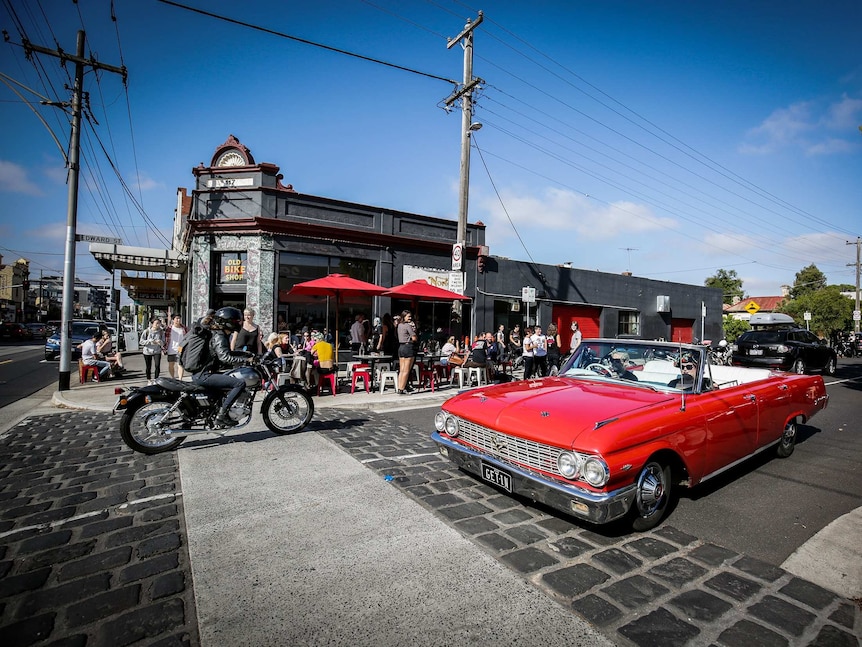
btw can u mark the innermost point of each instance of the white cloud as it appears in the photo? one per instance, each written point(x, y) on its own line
point(146, 183)
point(716, 244)
point(818, 128)
point(558, 211)
point(13, 179)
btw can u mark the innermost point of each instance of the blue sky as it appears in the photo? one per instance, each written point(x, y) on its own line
point(670, 139)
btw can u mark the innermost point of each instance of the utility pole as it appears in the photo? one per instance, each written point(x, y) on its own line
point(465, 93)
point(858, 244)
point(72, 208)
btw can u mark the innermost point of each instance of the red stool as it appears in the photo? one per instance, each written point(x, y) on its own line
point(331, 378)
point(85, 370)
point(428, 375)
point(361, 372)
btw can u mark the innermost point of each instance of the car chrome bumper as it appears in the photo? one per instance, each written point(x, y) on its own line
point(571, 500)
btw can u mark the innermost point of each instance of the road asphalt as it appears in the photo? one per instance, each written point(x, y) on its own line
point(315, 536)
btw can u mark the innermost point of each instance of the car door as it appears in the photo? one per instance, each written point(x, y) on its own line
point(811, 350)
point(732, 425)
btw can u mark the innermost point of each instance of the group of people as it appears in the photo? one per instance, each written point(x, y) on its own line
point(157, 340)
point(542, 354)
point(99, 351)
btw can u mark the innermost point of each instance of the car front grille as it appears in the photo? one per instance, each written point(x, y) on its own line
point(525, 453)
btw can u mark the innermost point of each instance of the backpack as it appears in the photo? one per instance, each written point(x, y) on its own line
point(195, 354)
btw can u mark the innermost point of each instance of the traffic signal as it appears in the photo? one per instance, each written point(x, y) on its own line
point(480, 264)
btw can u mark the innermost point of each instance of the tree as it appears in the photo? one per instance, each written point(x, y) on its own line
point(729, 284)
point(831, 311)
point(808, 279)
point(733, 328)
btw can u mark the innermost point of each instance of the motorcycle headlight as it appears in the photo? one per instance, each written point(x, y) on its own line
point(568, 464)
point(595, 472)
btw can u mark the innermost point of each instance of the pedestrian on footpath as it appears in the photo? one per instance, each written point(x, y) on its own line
point(173, 343)
point(152, 344)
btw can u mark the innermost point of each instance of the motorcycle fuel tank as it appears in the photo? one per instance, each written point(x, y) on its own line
point(246, 373)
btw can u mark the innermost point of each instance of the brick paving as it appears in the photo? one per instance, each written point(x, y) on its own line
point(657, 588)
point(93, 548)
point(92, 539)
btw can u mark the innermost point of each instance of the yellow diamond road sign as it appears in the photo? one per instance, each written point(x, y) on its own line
point(752, 307)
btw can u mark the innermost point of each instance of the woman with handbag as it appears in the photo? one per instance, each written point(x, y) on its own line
point(152, 345)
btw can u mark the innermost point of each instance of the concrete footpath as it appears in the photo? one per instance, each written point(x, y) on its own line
point(309, 546)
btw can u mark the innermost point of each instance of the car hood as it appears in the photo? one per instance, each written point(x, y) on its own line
point(558, 411)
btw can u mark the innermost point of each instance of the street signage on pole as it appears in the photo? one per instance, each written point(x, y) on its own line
point(84, 238)
point(528, 295)
point(457, 256)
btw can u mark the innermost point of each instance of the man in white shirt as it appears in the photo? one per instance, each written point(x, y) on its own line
point(88, 356)
point(540, 353)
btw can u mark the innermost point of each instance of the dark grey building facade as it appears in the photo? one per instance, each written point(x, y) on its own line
point(250, 238)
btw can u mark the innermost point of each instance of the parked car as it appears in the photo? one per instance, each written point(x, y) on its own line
point(623, 424)
point(81, 332)
point(15, 331)
point(787, 349)
point(36, 329)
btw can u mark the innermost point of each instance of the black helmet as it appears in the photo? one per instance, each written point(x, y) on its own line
point(229, 319)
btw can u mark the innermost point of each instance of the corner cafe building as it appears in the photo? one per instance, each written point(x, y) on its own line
point(247, 239)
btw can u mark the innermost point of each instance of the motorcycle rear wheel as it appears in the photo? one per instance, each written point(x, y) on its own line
point(142, 428)
point(286, 412)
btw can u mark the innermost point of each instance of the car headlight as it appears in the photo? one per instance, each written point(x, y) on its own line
point(569, 465)
point(452, 426)
point(440, 421)
point(595, 472)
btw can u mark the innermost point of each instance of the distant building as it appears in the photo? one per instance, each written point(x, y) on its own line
point(744, 308)
point(14, 289)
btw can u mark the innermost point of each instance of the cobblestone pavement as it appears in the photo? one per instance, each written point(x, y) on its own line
point(92, 539)
point(657, 588)
point(93, 548)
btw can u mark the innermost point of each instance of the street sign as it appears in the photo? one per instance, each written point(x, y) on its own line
point(857, 315)
point(806, 316)
point(528, 295)
point(84, 238)
point(457, 256)
point(752, 307)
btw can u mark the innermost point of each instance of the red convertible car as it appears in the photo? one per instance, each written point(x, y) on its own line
point(622, 425)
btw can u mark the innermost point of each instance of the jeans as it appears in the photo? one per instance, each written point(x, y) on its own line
point(221, 382)
point(104, 367)
point(153, 361)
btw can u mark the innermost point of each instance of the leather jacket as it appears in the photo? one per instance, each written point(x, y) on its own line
point(222, 356)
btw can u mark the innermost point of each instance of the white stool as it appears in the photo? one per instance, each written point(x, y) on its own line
point(385, 376)
point(350, 366)
point(480, 374)
point(461, 374)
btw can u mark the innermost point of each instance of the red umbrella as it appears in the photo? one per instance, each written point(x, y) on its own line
point(421, 290)
point(336, 285)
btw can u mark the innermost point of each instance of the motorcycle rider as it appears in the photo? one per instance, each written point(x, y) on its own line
point(222, 324)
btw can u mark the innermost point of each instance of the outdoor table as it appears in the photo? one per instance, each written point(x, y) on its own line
point(371, 360)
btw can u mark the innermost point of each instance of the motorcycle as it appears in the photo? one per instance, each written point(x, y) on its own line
point(719, 353)
point(158, 417)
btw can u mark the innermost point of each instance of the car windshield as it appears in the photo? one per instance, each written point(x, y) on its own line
point(638, 363)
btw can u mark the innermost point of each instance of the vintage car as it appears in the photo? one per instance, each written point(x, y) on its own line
point(623, 424)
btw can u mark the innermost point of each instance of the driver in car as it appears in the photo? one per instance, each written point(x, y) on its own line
point(618, 360)
point(688, 374)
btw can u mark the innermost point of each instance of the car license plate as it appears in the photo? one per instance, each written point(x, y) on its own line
point(755, 351)
point(497, 477)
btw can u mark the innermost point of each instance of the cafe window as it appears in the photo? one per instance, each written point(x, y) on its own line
point(232, 267)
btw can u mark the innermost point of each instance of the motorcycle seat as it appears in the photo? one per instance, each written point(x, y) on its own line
point(172, 384)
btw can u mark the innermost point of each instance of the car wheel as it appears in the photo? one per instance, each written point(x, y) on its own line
point(829, 369)
point(788, 440)
point(652, 496)
point(799, 366)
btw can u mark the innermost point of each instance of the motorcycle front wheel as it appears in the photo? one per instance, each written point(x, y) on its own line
point(143, 428)
point(287, 411)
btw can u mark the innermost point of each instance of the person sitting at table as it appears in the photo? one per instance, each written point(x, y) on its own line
point(322, 352)
point(479, 354)
point(104, 351)
point(451, 346)
point(274, 351)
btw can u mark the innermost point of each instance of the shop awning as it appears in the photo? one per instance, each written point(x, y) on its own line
point(140, 259)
